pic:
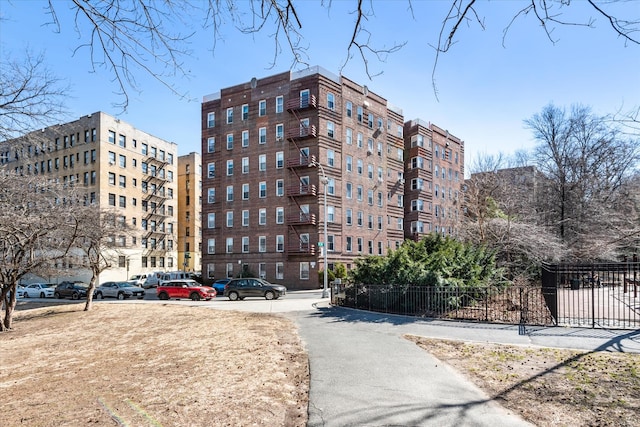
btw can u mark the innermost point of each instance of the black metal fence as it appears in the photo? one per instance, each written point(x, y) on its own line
point(595, 295)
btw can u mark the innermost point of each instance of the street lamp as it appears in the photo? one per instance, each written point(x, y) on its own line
point(324, 181)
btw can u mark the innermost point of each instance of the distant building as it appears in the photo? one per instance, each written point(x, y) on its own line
point(190, 212)
point(119, 167)
point(434, 175)
point(267, 147)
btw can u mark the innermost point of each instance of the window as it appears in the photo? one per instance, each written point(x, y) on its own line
point(279, 187)
point(370, 245)
point(262, 189)
point(279, 159)
point(280, 243)
point(380, 202)
point(379, 223)
point(304, 271)
point(279, 270)
point(359, 192)
point(144, 149)
point(279, 215)
point(360, 218)
point(370, 171)
point(229, 245)
point(245, 111)
point(211, 246)
point(262, 216)
point(359, 166)
point(360, 244)
point(279, 132)
point(229, 167)
point(122, 201)
point(211, 145)
point(331, 101)
point(229, 193)
point(112, 178)
point(121, 159)
point(370, 222)
point(122, 181)
point(331, 158)
point(349, 164)
point(112, 199)
point(349, 109)
point(229, 269)
point(230, 141)
point(112, 138)
point(122, 141)
point(245, 191)
point(262, 135)
point(349, 216)
point(245, 165)
point(279, 104)
point(262, 243)
point(304, 98)
point(349, 190)
point(359, 113)
point(229, 115)
point(359, 140)
point(245, 218)
point(417, 163)
point(211, 195)
point(370, 120)
point(245, 138)
point(211, 120)
point(211, 170)
point(331, 213)
point(262, 162)
point(229, 219)
point(348, 243)
point(330, 242)
point(245, 244)
point(417, 205)
point(262, 108)
point(331, 186)
point(349, 136)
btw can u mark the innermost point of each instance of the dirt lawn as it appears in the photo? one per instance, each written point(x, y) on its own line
point(151, 365)
point(167, 365)
point(550, 387)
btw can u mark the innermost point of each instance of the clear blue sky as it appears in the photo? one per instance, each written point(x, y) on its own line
point(485, 90)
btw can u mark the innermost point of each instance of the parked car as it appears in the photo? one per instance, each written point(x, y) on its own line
point(139, 279)
point(152, 280)
point(120, 290)
point(253, 287)
point(219, 285)
point(70, 290)
point(174, 275)
point(38, 290)
point(186, 288)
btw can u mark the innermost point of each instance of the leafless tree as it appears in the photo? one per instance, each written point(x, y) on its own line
point(587, 163)
point(100, 230)
point(127, 36)
point(31, 96)
point(35, 231)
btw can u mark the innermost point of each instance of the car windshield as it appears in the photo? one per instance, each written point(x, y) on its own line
point(123, 285)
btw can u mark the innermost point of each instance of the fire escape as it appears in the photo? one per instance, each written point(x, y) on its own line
point(302, 223)
point(154, 208)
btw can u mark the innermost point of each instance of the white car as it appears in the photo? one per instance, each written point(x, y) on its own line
point(38, 290)
point(120, 290)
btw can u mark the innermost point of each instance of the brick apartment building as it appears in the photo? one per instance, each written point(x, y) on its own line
point(268, 148)
point(190, 212)
point(119, 167)
point(434, 177)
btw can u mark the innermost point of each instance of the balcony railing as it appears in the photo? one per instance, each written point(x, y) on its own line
point(303, 132)
point(302, 103)
point(302, 249)
point(302, 161)
point(301, 190)
point(301, 219)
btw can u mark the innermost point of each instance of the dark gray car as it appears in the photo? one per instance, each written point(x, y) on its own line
point(252, 287)
point(73, 290)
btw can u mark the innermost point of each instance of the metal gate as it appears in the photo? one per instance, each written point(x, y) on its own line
point(603, 295)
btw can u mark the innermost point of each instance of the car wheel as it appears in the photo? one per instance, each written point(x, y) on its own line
point(269, 295)
point(194, 296)
point(121, 295)
point(41, 294)
point(57, 295)
point(99, 295)
point(163, 296)
point(25, 295)
point(75, 295)
point(233, 296)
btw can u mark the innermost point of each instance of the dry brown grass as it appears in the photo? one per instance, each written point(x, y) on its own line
point(550, 387)
point(152, 365)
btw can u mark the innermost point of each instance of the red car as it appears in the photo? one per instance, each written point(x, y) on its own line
point(184, 289)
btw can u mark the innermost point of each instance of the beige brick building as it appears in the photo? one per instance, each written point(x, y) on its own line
point(118, 167)
point(190, 212)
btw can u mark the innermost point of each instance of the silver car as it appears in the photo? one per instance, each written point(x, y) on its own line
point(120, 290)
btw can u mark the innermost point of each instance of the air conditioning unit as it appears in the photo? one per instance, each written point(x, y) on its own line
point(366, 104)
point(112, 163)
point(279, 139)
point(401, 181)
point(369, 151)
point(380, 181)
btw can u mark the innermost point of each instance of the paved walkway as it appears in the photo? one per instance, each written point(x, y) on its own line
point(363, 373)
